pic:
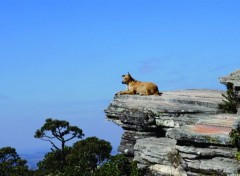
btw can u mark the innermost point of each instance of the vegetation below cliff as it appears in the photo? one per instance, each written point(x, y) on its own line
point(87, 157)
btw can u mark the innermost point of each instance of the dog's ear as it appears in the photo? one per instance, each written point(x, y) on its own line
point(123, 75)
point(129, 75)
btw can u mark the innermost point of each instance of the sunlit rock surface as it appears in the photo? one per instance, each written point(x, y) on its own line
point(178, 133)
point(233, 78)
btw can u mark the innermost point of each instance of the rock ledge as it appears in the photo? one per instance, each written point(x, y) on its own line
point(179, 133)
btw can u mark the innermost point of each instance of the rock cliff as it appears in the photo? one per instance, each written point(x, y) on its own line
point(178, 133)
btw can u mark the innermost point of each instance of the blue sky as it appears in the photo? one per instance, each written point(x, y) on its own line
point(64, 58)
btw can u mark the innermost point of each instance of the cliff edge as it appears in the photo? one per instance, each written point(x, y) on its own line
point(179, 133)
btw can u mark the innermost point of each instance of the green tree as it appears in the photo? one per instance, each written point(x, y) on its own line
point(11, 164)
point(230, 100)
point(86, 155)
point(89, 157)
point(51, 163)
point(82, 159)
point(118, 165)
point(61, 131)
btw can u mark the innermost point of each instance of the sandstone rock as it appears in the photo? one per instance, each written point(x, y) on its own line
point(212, 130)
point(154, 150)
point(129, 139)
point(201, 134)
point(163, 170)
point(159, 156)
point(232, 78)
point(178, 133)
point(170, 121)
point(172, 109)
point(188, 156)
point(217, 166)
point(210, 151)
point(172, 103)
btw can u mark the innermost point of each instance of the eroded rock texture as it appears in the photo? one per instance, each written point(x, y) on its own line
point(178, 133)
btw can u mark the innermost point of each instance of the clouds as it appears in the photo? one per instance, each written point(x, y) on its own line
point(150, 65)
point(225, 67)
point(4, 97)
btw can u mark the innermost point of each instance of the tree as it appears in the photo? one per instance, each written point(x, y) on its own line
point(230, 101)
point(61, 131)
point(118, 165)
point(51, 163)
point(11, 164)
point(89, 157)
point(82, 159)
point(86, 155)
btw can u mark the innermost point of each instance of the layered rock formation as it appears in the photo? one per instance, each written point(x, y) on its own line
point(233, 78)
point(181, 133)
point(178, 133)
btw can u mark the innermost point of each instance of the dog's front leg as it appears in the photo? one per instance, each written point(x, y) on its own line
point(130, 92)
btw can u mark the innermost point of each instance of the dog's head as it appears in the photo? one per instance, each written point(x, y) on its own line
point(127, 78)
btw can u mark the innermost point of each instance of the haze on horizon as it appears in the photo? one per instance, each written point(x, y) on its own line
point(64, 59)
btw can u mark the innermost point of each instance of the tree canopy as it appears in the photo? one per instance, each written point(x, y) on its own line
point(118, 165)
point(82, 159)
point(86, 157)
point(231, 100)
point(60, 130)
point(11, 164)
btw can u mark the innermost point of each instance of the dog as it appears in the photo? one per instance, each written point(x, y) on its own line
point(138, 87)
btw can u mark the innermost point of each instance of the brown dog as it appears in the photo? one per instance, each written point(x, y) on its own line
point(137, 87)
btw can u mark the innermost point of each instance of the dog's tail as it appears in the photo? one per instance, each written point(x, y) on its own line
point(158, 93)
